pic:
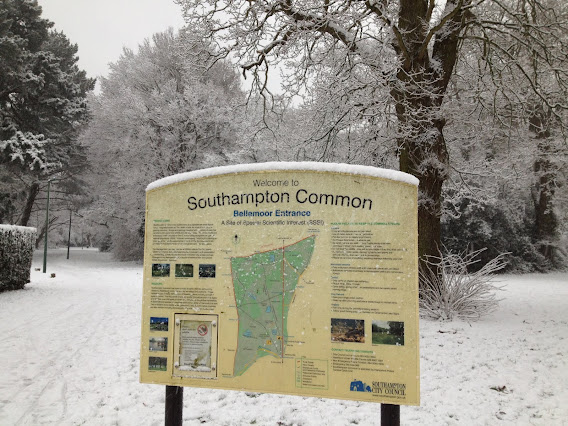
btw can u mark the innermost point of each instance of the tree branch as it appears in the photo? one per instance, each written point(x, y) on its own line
point(320, 24)
point(372, 6)
point(450, 16)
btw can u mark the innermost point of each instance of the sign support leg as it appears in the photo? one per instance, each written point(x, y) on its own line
point(174, 406)
point(390, 415)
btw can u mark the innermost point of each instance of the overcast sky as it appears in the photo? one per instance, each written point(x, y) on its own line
point(102, 27)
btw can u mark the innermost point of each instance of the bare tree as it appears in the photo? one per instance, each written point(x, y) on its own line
point(406, 50)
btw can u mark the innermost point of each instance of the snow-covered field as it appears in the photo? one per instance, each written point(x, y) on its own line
point(69, 349)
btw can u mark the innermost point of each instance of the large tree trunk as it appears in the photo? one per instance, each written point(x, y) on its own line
point(546, 222)
point(422, 152)
point(30, 200)
point(40, 236)
point(425, 157)
point(418, 96)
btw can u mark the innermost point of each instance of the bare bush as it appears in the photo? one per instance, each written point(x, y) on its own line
point(456, 293)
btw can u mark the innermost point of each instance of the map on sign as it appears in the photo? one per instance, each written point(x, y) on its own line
point(264, 285)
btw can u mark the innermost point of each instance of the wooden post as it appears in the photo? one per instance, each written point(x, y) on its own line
point(390, 415)
point(174, 406)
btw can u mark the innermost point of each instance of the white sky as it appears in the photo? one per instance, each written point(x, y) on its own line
point(102, 27)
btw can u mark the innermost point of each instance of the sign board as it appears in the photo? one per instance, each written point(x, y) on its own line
point(293, 278)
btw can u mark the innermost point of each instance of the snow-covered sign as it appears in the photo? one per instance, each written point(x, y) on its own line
point(294, 278)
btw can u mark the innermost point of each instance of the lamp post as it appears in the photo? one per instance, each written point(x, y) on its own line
point(69, 236)
point(46, 228)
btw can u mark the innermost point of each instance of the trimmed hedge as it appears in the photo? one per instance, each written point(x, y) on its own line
point(16, 252)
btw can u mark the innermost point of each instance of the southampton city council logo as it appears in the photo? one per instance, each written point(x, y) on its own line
point(397, 390)
point(359, 386)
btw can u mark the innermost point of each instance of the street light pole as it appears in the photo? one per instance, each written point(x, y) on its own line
point(69, 237)
point(46, 228)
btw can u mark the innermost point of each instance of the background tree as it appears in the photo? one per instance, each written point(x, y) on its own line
point(408, 49)
point(42, 107)
point(506, 133)
point(158, 114)
point(396, 328)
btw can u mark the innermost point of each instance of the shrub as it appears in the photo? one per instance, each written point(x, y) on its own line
point(127, 244)
point(458, 293)
point(16, 252)
point(499, 227)
point(105, 244)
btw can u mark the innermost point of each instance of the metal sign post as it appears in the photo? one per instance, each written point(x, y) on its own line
point(174, 406)
point(390, 415)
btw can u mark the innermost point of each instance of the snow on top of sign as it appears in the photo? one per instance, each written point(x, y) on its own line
point(277, 165)
point(17, 228)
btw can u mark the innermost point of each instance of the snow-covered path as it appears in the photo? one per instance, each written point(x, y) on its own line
point(69, 340)
point(70, 345)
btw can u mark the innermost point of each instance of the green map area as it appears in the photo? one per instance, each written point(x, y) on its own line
point(264, 286)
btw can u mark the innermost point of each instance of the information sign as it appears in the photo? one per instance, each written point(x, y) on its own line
point(293, 278)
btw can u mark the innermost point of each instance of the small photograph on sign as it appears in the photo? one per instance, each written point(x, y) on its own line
point(160, 270)
point(206, 270)
point(158, 324)
point(157, 363)
point(158, 344)
point(347, 330)
point(388, 333)
point(184, 270)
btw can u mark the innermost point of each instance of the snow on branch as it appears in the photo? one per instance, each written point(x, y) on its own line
point(25, 149)
point(320, 23)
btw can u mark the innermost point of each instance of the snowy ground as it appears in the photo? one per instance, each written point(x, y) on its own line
point(70, 346)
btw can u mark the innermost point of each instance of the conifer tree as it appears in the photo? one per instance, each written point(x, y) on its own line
point(42, 105)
